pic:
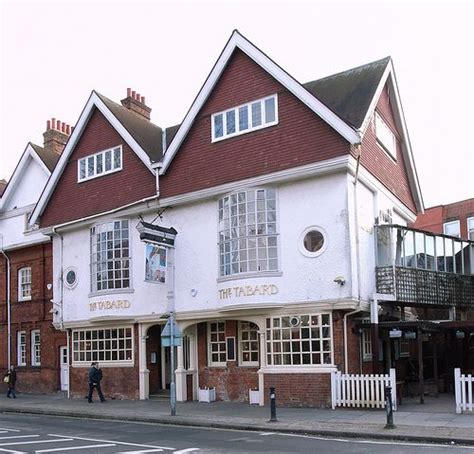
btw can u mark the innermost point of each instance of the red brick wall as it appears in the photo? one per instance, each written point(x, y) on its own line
point(301, 137)
point(30, 315)
point(72, 200)
point(117, 382)
point(299, 390)
point(231, 382)
point(431, 220)
point(392, 174)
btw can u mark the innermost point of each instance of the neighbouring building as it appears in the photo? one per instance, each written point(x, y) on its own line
point(455, 219)
point(28, 338)
point(265, 215)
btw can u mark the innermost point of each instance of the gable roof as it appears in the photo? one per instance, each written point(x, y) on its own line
point(49, 158)
point(3, 184)
point(350, 93)
point(143, 137)
point(29, 153)
point(237, 41)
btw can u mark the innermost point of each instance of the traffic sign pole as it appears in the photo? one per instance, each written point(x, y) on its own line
point(172, 384)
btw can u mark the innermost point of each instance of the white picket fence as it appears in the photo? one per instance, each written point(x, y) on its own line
point(463, 385)
point(366, 390)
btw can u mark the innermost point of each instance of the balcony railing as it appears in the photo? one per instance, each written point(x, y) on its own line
point(420, 268)
point(418, 287)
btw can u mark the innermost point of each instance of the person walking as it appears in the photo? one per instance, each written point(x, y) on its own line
point(10, 379)
point(95, 377)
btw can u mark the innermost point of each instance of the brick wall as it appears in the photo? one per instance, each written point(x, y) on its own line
point(134, 182)
point(31, 315)
point(392, 174)
point(300, 137)
point(231, 382)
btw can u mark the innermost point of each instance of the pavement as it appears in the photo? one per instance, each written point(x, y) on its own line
point(435, 421)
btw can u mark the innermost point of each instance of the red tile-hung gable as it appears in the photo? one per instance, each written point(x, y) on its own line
point(72, 200)
point(300, 137)
point(392, 174)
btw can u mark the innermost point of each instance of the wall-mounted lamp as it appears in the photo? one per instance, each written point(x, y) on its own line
point(340, 280)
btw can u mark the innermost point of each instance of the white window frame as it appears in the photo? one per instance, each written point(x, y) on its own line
point(452, 223)
point(385, 136)
point(222, 344)
point(366, 340)
point(96, 264)
point(273, 352)
point(250, 128)
point(21, 348)
point(35, 347)
point(83, 351)
point(256, 251)
point(96, 156)
point(246, 327)
point(470, 228)
point(22, 285)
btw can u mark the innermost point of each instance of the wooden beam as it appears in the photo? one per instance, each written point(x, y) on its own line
point(421, 383)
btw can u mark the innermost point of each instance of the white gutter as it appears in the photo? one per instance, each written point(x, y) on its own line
point(9, 309)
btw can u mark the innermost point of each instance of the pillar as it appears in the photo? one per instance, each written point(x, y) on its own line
point(142, 364)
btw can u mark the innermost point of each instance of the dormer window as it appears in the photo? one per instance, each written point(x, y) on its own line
point(385, 136)
point(245, 118)
point(98, 164)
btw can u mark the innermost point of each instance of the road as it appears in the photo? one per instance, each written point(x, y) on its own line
point(43, 434)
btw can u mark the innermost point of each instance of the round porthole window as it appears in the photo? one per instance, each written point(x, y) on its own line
point(71, 278)
point(313, 241)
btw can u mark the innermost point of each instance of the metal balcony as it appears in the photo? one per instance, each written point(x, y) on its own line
point(417, 268)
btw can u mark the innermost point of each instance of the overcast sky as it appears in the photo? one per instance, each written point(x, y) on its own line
point(53, 53)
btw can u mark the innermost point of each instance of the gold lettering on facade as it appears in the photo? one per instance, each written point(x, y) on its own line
point(248, 290)
point(108, 305)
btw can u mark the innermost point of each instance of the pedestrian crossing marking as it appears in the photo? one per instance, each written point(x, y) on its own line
point(117, 442)
point(34, 442)
point(72, 448)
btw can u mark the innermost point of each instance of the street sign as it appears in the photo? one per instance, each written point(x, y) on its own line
point(166, 334)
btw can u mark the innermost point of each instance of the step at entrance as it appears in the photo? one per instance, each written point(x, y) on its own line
point(162, 395)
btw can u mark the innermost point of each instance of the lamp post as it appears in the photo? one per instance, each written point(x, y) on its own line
point(170, 335)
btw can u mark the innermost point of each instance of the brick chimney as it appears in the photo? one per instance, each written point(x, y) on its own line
point(56, 135)
point(136, 103)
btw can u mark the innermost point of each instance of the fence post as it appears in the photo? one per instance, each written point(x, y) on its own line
point(333, 390)
point(457, 389)
point(393, 384)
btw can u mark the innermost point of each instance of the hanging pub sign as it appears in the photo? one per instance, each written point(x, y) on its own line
point(156, 234)
point(155, 263)
point(395, 333)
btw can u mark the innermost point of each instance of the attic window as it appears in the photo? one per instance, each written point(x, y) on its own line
point(98, 164)
point(245, 118)
point(385, 136)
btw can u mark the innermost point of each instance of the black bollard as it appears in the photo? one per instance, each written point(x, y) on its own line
point(389, 408)
point(273, 415)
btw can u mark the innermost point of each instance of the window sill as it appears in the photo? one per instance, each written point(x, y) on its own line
point(299, 369)
point(23, 300)
point(111, 292)
point(252, 275)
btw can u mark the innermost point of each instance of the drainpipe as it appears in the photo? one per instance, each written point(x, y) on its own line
point(9, 309)
point(157, 179)
point(357, 261)
point(61, 320)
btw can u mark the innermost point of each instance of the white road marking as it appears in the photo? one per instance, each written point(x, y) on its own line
point(12, 452)
point(182, 451)
point(72, 448)
point(115, 441)
point(18, 436)
point(265, 434)
point(33, 442)
point(381, 442)
point(9, 430)
point(140, 452)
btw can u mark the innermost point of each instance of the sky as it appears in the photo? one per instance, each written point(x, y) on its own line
point(54, 53)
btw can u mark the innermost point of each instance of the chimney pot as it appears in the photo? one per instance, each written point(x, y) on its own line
point(53, 123)
point(138, 96)
point(63, 127)
point(68, 129)
point(48, 125)
point(134, 94)
point(142, 100)
point(129, 92)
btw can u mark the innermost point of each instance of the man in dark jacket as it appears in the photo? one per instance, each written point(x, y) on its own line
point(95, 376)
